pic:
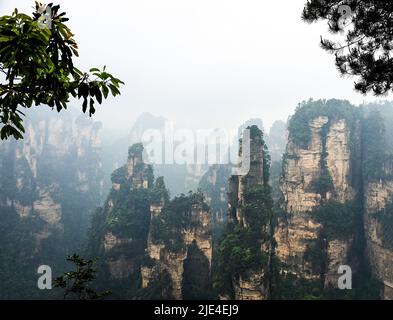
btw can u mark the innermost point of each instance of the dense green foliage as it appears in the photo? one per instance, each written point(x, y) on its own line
point(168, 229)
point(338, 219)
point(247, 248)
point(37, 61)
point(258, 208)
point(256, 136)
point(324, 182)
point(125, 217)
point(298, 126)
point(127, 210)
point(159, 192)
point(130, 214)
point(289, 286)
point(175, 217)
point(119, 176)
point(240, 249)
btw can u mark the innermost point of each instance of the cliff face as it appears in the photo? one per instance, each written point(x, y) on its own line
point(302, 166)
point(313, 175)
point(337, 191)
point(40, 162)
point(338, 160)
point(248, 200)
point(151, 247)
point(240, 184)
point(57, 161)
point(379, 250)
point(193, 250)
point(122, 224)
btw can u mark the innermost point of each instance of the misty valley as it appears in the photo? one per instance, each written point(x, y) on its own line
point(189, 156)
point(317, 197)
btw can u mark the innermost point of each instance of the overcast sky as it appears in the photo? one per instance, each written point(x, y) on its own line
point(203, 63)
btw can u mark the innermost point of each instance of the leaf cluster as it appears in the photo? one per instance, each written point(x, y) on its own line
point(38, 69)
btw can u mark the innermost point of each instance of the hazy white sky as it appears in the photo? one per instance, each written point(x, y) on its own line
point(203, 63)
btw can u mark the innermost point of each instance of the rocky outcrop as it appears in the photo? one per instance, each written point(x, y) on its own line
point(47, 208)
point(145, 236)
point(338, 252)
point(240, 184)
point(293, 236)
point(249, 288)
point(40, 171)
point(328, 149)
point(338, 160)
point(250, 284)
point(301, 168)
point(127, 202)
point(50, 185)
point(350, 149)
point(377, 194)
point(172, 261)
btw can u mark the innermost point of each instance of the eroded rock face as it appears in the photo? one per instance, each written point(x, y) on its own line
point(251, 284)
point(380, 256)
point(111, 241)
point(250, 287)
point(337, 253)
point(47, 208)
point(239, 184)
point(302, 167)
point(292, 237)
point(173, 262)
point(49, 187)
point(339, 160)
point(122, 252)
point(58, 156)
